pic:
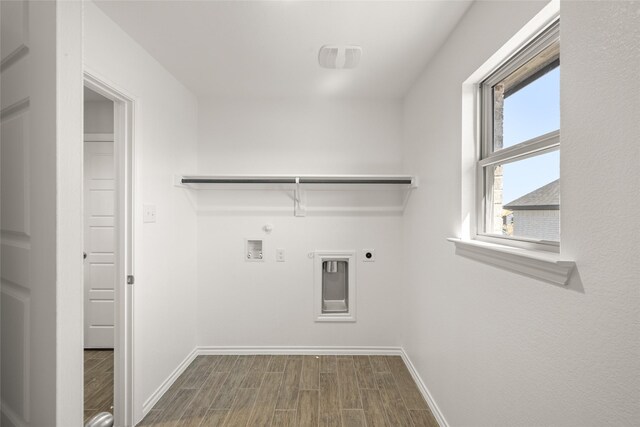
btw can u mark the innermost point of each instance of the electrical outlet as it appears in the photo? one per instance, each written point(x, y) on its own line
point(280, 255)
point(149, 213)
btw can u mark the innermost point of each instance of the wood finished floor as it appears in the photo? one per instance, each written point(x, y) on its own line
point(319, 391)
point(98, 382)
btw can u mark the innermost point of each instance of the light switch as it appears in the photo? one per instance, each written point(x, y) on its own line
point(149, 213)
point(280, 255)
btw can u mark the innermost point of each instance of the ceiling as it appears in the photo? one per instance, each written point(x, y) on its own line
point(270, 48)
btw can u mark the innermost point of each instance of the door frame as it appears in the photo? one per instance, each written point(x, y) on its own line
point(123, 149)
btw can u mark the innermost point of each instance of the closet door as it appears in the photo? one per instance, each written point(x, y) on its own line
point(99, 241)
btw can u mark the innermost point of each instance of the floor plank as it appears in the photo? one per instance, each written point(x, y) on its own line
point(310, 377)
point(328, 364)
point(256, 372)
point(307, 409)
point(174, 410)
point(423, 418)
point(199, 374)
point(284, 418)
point(288, 395)
point(364, 372)
point(215, 418)
point(241, 408)
point(379, 364)
point(329, 402)
point(394, 408)
point(353, 418)
point(197, 410)
point(266, 400)
point(224, 399)
point(277, 363)
point(373, 408)
point(226, 363)
point(151, 418)
point(348, 385)
point(407, 387)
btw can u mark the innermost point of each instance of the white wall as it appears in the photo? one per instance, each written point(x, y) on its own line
point(98, 117)
point(165, 251)
point(271, 304)
point(299, 135)
point(494, 347)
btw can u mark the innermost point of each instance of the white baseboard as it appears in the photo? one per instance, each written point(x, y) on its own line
point(338, 350)
point(156, 395)
point(424, 390)
point(214, 350)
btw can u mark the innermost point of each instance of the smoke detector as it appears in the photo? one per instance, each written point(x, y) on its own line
point(339, 57)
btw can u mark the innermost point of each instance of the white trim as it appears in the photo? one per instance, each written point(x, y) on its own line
point(426, 394)
point(544, 266)
point(523, 150)
point(162, 389)
point(124, 149)
point(302, 350)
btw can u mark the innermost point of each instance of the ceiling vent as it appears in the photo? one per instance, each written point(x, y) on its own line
point(338, 57)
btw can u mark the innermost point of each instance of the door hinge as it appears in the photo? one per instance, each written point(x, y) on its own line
point(130, 279)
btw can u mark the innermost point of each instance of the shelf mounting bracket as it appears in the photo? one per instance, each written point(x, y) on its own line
point(298, 204)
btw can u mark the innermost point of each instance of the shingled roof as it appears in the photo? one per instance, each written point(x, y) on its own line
point(544, 198)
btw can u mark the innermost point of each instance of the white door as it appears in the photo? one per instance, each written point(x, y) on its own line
point(99, 240)
point(40, 59)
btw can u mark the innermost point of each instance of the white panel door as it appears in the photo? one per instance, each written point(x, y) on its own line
point(32, 54)
point(17, 237)
point(99, 240)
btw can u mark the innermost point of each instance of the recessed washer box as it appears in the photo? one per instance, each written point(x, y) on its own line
point(253, 251)
point(334, 286)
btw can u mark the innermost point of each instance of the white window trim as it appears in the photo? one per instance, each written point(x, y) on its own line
point(520, 256)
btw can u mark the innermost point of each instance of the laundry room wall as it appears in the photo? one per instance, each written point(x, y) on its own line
point(262, 304)
point(165, 135)
point(495, 347)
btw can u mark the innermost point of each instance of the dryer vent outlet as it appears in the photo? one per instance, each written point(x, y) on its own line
point(339, 57)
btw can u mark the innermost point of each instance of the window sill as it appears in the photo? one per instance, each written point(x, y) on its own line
point(539, 265)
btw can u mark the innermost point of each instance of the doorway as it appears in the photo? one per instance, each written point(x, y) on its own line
point(108, 256)
point(100, 253)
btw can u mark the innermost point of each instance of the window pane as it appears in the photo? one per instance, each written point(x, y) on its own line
point(525, 198)
point(527, 102)
point(533, 110)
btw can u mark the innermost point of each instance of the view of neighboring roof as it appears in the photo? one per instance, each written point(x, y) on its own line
point(545, 198)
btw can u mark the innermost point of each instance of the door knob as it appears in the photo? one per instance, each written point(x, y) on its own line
point(84, 255)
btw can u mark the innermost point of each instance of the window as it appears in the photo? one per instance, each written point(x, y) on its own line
point(519, 162)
